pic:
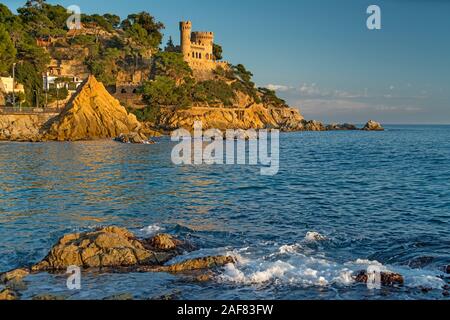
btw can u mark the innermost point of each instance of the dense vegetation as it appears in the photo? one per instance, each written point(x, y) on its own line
point(137, 35)
point(174, 85)
point(113, 45)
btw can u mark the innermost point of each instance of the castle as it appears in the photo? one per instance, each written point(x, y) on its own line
point(197, 49)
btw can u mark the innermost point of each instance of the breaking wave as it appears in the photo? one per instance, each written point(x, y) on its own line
point(295, 265)
point(151, 230)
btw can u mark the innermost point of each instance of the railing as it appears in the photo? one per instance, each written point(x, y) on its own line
point(20, 110)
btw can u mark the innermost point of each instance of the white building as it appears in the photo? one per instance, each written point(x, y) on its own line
point(6, 84)
point(51, 81)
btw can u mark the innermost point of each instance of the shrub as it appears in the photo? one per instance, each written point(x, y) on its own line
point(213, 91)
point(148, 114)
point(171, 64)
point(269, 97)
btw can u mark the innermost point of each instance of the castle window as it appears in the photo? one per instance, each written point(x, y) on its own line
point(123, 91)
point(200, 55)
point(135, 91)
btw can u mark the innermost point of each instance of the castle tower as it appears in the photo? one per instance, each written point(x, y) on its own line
point(185, 36)
point(206, 40)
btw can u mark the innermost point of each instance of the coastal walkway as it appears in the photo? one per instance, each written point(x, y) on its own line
point(25, 111)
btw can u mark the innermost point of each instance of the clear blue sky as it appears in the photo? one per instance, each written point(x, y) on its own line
point(320, 55)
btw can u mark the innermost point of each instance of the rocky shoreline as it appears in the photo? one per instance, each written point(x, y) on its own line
point(117, 250)
point(92, 113)
point(113, 249)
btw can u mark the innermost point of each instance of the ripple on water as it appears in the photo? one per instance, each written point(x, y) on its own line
point(373, 196)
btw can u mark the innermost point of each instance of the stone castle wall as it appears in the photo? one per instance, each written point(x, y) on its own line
point(197, 50)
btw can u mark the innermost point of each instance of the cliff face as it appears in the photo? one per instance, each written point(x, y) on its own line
point(254, 117)
point(91, 114)
point(22, 127)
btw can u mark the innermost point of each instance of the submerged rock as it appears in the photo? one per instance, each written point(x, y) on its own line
point(210, 262)
point(338, 127)
point(135, 138)
point(107, 247)
point(447, 269)
point(314, 236)
point(373, 126)
point(48, 297)
point(420, 262)
point(175, 295)
point(14, 275)
point(9, 294)
point(199, 264)
point(387, 278)
point(121, 297)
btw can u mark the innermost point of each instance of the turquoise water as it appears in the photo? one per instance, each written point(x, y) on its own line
point(374, 196)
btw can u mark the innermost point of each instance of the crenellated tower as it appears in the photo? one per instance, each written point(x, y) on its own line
point(185, 35)
point(198, 51)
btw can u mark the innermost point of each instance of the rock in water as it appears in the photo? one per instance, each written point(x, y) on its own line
point(447, 269)
point(8, 294)
point(373, 126)
point(135, 138)
point(107, 247)
point(14, 275)
point(92, 113)
point(199, 264)
point(203, 263)
point(314, 236)
point(313, 125)
point(387, 278)
point(340, 127)
point(164, 242)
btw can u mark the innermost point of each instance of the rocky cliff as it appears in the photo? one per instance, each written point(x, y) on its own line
point(22, 127)
point(254, 117)
point(92, 113)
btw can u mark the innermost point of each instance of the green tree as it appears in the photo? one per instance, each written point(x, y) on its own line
point(144, 29)
point(113, 20)
point(171, 64)
point(269, 97)
point(242, 73)
point(98, 20)
point(217, 51)
point(170, 47)
point(213, 91)
point(34, 3)
point(5, 14)
point(161, 91)
point(27, 75)
point(104, 65)
point(7, 51)
point(42, 19)
point(244, 82)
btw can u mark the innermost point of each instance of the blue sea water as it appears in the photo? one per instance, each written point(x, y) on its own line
point(376, 197)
